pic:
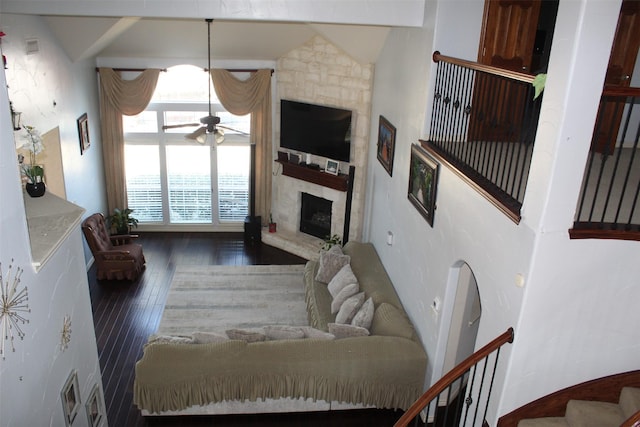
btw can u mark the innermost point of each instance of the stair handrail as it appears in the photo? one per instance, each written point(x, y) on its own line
point(453, 375)
point(632, 421)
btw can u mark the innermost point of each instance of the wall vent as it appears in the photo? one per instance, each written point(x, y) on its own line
point(31, 46)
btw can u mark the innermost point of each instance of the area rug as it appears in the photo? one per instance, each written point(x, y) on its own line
point(216, 298)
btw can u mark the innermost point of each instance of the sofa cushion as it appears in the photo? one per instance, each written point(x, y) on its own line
point(331, 262)
point(349, 308)
point(245, 335)
point(372, 277)
point(341, 330)
point(283, 332)
point(318, 298)
point(316, 334)
point(364, 316)
point(342, 278)
point(342, 296)
point(389, 321)
point(208, 337)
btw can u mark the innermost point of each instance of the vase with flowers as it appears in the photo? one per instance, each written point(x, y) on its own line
point(32, 170)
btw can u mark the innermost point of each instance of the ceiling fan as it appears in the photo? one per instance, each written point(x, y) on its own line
point(209, 125)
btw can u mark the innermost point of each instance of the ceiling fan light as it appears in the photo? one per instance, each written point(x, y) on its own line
point(219, 135)
point(196, 133)
point(202, 139)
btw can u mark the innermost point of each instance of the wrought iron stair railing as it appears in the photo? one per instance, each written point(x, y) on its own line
point(462, 396)
point(483, 124)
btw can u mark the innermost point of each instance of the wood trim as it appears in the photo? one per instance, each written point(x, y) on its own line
point(632, 421)
point(586, 230)
point(500, 202)
point(513, 75)
point(605, 389)
point(452, 375)
point(621, 91)
point(337, 182)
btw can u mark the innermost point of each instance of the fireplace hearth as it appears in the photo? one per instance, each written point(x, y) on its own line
point(315, 216)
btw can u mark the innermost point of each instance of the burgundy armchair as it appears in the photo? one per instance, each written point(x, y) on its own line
point(116, 257)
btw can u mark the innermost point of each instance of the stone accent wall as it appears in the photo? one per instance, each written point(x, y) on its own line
point(318, 72)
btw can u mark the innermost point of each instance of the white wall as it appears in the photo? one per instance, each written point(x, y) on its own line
point(573, 318)
point(50, 91)
point(32, 377)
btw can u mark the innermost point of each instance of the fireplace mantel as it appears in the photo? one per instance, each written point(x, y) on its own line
point(338, 182)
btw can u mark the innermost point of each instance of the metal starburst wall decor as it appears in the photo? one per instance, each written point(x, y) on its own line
point(13, 303)
point(65, 337)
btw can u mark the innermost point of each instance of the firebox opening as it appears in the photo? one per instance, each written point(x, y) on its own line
point(315, 216)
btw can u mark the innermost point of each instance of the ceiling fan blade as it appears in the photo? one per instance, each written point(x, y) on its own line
point(241, 132)
point(183, 125)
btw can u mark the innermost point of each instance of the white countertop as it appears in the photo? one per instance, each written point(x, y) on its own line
point(50, 220)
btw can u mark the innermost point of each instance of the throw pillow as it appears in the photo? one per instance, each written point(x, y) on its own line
point(342, 296)
point(349, 308)
point(364, 316)
point(330, 263)
point(283, 332)
point(208, 337)
point(316, 334)
point(245, 335)
point(389, 321)
point(347, 331)
point(342, 278)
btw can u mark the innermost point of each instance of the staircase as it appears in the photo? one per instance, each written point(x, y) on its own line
point(613, 401)
point(589, 413)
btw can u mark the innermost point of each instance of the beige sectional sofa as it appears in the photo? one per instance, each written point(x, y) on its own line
point(383, 369)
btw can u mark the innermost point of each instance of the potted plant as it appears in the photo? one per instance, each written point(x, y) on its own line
point(121, 221)
point(33, 171)
point(272, 225)
point(330, 241)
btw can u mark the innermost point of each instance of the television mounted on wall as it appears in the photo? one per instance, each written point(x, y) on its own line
point(316, 129)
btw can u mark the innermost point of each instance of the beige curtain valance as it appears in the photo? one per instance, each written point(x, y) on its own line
point(118, 97)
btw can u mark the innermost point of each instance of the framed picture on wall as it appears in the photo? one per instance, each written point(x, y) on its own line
point(423, 182)
point(95, 407)
point(70, 396)
point(83, 133)
point(386, 144)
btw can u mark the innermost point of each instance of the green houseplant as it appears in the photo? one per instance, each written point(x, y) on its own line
point(330, 241)
point(121, 221)
point(32, 170)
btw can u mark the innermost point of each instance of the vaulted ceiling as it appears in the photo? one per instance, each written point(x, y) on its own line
point(242, 29)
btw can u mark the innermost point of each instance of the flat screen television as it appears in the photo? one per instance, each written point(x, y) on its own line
point(316, 129)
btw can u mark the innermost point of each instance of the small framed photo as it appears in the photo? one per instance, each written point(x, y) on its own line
point(95, 407)
point(294, 158)
point(70, 396)
point(423, 182)
point(386, 144)
point(83, 133)
point(332, 167)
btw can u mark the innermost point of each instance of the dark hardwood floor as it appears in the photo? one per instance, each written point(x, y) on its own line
point(125, 314)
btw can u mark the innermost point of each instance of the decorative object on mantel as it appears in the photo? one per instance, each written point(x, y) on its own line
point(332, 167)
point(121, 221)
point(33, 171)
point(386, 144)
point(423, 181)
point(83, 133)
point(13, 303)
point(65, 335)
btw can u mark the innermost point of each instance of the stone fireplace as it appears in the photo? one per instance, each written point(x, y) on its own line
point(320, 73)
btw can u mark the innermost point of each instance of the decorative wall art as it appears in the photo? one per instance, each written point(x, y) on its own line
point(65, 335)
point(83, 133)
point(95, 407)
point(386, 144)
point(423, 182)
point(13, 305)
point(70, 395)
